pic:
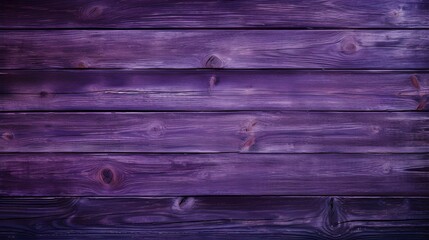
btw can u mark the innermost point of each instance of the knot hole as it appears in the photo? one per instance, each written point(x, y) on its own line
point(213, 61)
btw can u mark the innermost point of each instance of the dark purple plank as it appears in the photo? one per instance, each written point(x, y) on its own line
point(215, 218)
point(213, 174)
point(267, 132)
point(214, 14)
point(329, 49)
point(213, 90)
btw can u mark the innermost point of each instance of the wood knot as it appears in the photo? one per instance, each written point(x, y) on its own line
point(155, 129)
point(91, 12)
point(108, 176)
point(422, 104)
point(213, 61)
point(7, 136)
point(43, 94)
point(415, 81)
point(334, 219)
point(349, 45)
point(82, 64)
point(183, 203)
point(248, 143)
point(248, 128)
point(387, 168)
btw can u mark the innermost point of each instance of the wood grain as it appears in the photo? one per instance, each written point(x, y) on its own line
point(213, 174)
point(264, 132)
point(213, 90)
point(215, 14)
point(257, 49)
point(215, 218)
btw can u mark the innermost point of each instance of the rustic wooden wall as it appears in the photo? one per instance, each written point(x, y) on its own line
point(262, 119)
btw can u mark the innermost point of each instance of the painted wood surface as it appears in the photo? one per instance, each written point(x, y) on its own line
point(213, 90)
point(213, 174)
point(215, 14)
point(264, 132)
point(262, 119)
point(215, 218)
point(334, 49)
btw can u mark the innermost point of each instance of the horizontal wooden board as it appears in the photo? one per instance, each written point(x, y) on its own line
point(329, 49)
point(213, 174)
point(213, 90)
point(214, 14)
point(215, 218)
point(269, 132)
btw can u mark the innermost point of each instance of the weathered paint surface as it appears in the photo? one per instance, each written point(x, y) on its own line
point(244, 49)
point(261, 119)
point(259, 132)
point(215, 14)
point(208, 174)
point(208, 90)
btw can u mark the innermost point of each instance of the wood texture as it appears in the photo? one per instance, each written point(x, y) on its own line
point(213, 90)
point(215, 14)
point(268, 132)
point(215, 218)
point(333, 49)
point(213, 174)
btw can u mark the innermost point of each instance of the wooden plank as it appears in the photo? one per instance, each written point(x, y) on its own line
point(269, 132)
point(329, 49)
point(215, 14)
point(214, 217)
point(213, 174)
point(213, 90)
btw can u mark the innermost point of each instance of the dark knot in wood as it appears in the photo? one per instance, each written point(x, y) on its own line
point(213, 61)
point(108, 176)
point(91, 12)
point(335, 224)
point(43, 94)
point(8, 136)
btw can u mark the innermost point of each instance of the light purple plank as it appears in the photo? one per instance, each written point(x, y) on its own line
point(328, 49)
point(214, 14)
point(267, 132)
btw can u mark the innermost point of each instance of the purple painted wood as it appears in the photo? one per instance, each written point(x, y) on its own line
point(214, 14)
point(215, 218)
point(330, 49)
point(266, 132)
point(213, 90)
point(213, 174)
